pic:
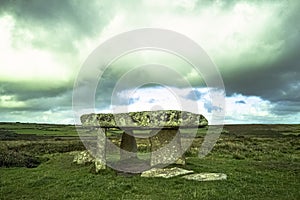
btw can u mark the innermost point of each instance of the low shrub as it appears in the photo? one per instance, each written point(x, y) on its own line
point(10, 158)
point(48, 148)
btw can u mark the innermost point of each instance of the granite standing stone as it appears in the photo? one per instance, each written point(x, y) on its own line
point(128, 147)
point(166, 147)
point(100, 156)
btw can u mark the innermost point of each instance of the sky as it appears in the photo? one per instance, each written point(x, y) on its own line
point(254, 44)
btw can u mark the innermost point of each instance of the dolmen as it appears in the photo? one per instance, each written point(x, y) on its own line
point(164, 134)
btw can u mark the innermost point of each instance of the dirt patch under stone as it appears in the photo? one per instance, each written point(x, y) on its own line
point(130, 166)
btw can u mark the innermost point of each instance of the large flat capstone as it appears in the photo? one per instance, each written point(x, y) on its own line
point(145, 119)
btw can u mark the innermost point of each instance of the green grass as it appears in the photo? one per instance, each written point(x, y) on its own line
point(40, 129)
point(70, 130)
point(258, 166)
point(58, 178)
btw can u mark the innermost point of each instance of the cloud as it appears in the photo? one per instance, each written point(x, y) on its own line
point(240, 102)
point(257, 110)
point(194, 95)
point(48, 40)
point(249, 109)
point(56, 24)
point(285, 108)
point(276, 77)
point(65, 117)
point(236, 35)
point(254, 44)
point(9, 103)
point(165, 98)
point(210, 107)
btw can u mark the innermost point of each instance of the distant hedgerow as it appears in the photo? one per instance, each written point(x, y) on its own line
point(12, 158)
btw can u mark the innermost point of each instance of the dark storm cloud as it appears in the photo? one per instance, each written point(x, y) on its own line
point(240, 102)
point(62, 22)
point(286, 108)
point(278, 79)
point(24, 91)
point(37, 100)
point(60, 27)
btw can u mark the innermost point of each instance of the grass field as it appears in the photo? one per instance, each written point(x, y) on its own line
point(261, 162)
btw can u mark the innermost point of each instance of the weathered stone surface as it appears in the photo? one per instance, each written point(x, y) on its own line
point(165, 145)
point(166, 148)
point(99, 165)
point(100, 155)
point(146, 119)
point(206, 177)
point(165, 173)
point(128, 146)
point(83, 157)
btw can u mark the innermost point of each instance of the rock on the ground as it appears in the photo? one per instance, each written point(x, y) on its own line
point(166, 172)
point(83, 157)
point(206, 176)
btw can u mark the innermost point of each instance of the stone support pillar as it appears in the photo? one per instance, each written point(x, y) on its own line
point(166, 147)
point(128, 148)
point(100, 155)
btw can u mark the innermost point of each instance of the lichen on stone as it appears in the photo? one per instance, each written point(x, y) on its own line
point(160, 118)
point(166, 172)
point(206, 177)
